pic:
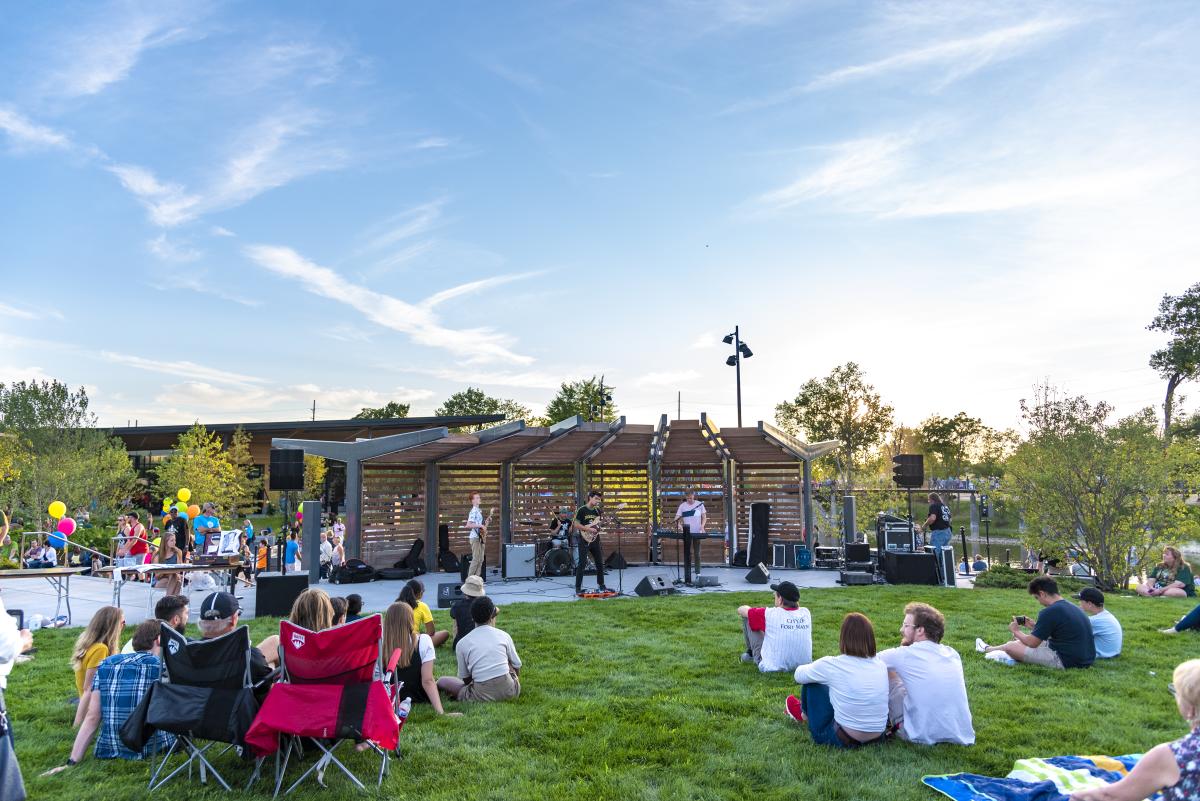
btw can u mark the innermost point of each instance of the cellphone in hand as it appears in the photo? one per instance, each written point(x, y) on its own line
point(1021, 620)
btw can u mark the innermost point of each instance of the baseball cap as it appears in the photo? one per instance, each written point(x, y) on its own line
point(787, 591)
point(219, 606)
point(1091, 595)
point(473, 587)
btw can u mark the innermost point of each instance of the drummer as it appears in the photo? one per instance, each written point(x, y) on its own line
point(560, 524)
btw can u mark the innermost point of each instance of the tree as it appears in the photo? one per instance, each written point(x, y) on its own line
point(841, 406)
point(1101, 491)
point(52, 450)
point(1179, 361)
point(200, 463)
point(247, 480)
point(472, 401)
point(948, 441)
point(389, 410)
point(314, 476)
point(582, 398)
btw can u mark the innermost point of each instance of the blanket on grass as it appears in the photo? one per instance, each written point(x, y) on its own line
point(1052, 779)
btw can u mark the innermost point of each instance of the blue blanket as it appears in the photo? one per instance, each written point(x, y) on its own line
point(1052, 779)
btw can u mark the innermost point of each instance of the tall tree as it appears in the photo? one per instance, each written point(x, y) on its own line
point(948, 442)
point(1179, 361)
point(247, 483)
point(472, 401)
point(582, 398)
point(841, 406)
point(314, 476)
point(200, 463)
point(388, 411)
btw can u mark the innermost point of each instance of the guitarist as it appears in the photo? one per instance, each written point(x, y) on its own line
point(478, 529)
point(587, 539)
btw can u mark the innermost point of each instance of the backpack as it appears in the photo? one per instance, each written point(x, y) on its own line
point(354, 571)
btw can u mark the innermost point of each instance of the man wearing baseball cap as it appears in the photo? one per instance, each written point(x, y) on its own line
point(219, 615)
point(1106, 629)
point(460, 610)
point(778, 637)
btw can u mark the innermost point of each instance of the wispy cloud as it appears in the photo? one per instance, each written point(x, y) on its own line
point(856, 165)
point(169, 251)
point(667, 378)
point(192, 282)
point(407, 224)
point(431, 143)
point(518, 78)
point(416, 320)
point(169, 204)
point(472, 287)
point(25, 313)
point(183, 369)
point(526, 379)
point(23, 134)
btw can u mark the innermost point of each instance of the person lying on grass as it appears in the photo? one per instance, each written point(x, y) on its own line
point(1189, 621)
point(1171, 578)
point(1174, 767)
point(1061, 637)
point(844, 699)
point(778, 637)
point(488, 664)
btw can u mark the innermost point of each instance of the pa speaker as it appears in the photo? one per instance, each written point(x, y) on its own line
point(655, 584)
point(760, 522)
point(276, 593)
point(849, 513)
point(758, 574)
point(287, 470)
point(910, 568)
point(448, 594)
point(615, 562)
point(444, 538)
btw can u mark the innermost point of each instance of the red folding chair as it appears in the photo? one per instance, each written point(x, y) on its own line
point(332, 690)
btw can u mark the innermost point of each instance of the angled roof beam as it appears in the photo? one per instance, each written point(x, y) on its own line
point(363, 449)
point(490, 435)
point(658, 443)
point(712, 435)
point(804, 451)
point(614, 431)
point(556, 431)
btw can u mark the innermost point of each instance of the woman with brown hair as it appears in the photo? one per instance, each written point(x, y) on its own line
point(169, 554)
point(844, 700)
point(417, 655)
point(99, 640)
point(312, 610)
point(1171, 578)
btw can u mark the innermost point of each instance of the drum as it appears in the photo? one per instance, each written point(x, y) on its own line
point(558, 542)
point(558, 562)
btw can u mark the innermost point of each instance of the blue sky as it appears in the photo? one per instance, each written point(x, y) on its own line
point(222, 211)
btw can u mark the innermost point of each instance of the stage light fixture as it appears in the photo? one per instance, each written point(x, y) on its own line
point(731, 361)
point(728, 340)
point(746, 352)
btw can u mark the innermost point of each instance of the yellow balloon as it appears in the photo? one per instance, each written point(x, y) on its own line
point(167, 503)
point(57, 510)
point(184, 494)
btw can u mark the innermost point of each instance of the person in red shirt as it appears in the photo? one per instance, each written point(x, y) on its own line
point(139, 543)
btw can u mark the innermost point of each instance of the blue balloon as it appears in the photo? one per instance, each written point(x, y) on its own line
point(56, 541)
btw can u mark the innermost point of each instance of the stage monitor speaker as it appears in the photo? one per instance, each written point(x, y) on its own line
point(707, 580)
point(849, 513)
point(910, 568)
point(448, 594)
point(758, 574)
point(287, 470)
point(655, 584)
point(615, 562)
point(760, 524)
point(519, 560)
point(858, 552)
point(276, 593)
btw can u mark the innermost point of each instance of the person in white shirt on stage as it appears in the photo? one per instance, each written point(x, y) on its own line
point(927, 700)
point(778, 637)
point(694, 518)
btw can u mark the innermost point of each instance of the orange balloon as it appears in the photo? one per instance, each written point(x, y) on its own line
point(193, 510)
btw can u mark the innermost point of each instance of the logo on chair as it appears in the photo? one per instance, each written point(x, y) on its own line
point(173, 646)
point(297, 639)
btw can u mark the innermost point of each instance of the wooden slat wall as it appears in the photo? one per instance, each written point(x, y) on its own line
point(393, 515)
point(778, 485)
point(455, 485)
point(709, 483)
point(628, 484)
point(537, 492)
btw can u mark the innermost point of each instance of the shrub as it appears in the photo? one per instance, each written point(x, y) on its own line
point(1002, 577)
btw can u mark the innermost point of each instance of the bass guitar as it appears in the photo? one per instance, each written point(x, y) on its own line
point(590, 536)
point(487, 521)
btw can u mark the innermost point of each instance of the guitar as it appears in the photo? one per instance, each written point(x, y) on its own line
point(487, 521)
point(590, 536)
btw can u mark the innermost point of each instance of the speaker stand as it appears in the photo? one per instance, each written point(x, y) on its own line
point(621, 566)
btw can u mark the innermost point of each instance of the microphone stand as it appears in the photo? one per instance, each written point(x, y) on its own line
point(620, 564)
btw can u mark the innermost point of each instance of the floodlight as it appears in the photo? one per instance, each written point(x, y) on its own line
point(728, 340)
point(745, 350)
point(731, 361)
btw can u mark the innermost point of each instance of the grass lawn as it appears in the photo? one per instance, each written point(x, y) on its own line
point(646, 699)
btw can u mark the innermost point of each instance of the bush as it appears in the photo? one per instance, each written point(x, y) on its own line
point(1002, 577)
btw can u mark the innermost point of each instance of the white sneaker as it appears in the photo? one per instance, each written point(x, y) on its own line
point(747, 657)
point(980, 645)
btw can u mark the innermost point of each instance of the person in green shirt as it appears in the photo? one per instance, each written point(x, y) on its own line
point(1171, 578)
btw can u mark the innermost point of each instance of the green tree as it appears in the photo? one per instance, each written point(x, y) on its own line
point(1179, 361)
point(948, 441)
point(472, 401)
point(841, 406)
point(389, 410)
point(56, 452)
point(582, 398)
point(247, 483)
point(200, 463)
point(991, 451)
point(314, 476)
point(1102, 491)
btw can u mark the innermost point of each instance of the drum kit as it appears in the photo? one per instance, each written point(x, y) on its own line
point(554, 555)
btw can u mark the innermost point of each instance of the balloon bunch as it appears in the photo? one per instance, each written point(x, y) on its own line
point(65, 527)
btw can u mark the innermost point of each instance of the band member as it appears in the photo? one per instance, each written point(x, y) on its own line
point(560, 523)
point(584, 525)
point(694, 518)
point(478, 532)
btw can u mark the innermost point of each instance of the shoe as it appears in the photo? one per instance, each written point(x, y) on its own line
point(59, 621)
point(602, 588)
point(980, 645)
point(1171, 630)
point(795, 709)
point(581, 593)
point(747, 657)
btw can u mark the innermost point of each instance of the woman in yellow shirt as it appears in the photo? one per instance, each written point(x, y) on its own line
point(422, 615)
point(101, 638)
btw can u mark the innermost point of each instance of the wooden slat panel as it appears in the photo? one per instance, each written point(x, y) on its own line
point(393, 514)
point(778, 485)
point(709, 482)
point(628, 484)
point(455, 485)
point(537, 492)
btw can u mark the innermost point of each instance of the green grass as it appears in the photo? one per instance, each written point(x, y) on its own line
point(646, 699)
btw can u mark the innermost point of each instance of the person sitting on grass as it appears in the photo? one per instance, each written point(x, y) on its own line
point(312, 610)
point(97, 642)
point(354, 606)
point(1171, 578)
point(1061, 637)
point(1189, 621)
point(979, 566)
point(1106, 629)
point(927, 701)
point(40, 555)
point(778, 637)
point(170, 609)
point(416, 658)
point(1174, 767)
point(844, 700)
point(412, 593)
point(219, 615)
point(460, 610)
point(488, 665)
point(339, 609)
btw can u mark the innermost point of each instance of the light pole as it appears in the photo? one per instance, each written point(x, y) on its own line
point(740, 351)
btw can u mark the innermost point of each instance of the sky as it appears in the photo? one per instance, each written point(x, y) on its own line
point(223, 211)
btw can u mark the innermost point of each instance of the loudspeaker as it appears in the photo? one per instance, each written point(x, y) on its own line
point(760, 522)
point(449, 562)
point(276, 593)
point(910, 568)
point(287, 470)
point(707, 580)
point(519, 560)
point(655, 584)
point(858, 552)
point(848, 517)
point(444, 538)
point(758, 574)
point(464, 566)
point(854, 578)
point(615, 562)
point(448, 594)
point(783, 555)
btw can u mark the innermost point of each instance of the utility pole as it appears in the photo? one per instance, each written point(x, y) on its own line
point(740, 351)
point(314, 417)
point(679, 405)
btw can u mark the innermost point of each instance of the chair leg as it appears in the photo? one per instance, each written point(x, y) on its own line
point(281, 772)
point(163, 763)
point(327, 758)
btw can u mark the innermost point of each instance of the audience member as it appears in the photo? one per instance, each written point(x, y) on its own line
point(178, 525)
point(1171, 578)
point(927, 700)
point(460, 610)
point(169, 554)
point(844, 698)
point(488, 664)
point(1189, 621)
point(1106, 629)
point(339, 554)
point(778, 637)
point(1061, 637)
point(97, 642)
point(312, 610)
point(219, 615)
point(416, 658)
point(354, 605)
point(13, 643)
point(291, 553)
point(412, 593)
point(40, 555)
point(1172, 767)
point(979, 565)
point(339, 609)
point(206, 528)
point(139, 542)
point(326, 553)
point(170, 609)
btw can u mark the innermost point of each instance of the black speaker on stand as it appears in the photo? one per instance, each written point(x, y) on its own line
point(757, 549)
point(287, 470)
point(277, 592)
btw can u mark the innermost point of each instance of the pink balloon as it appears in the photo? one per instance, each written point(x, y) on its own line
point(299, 515)
point(66, 526)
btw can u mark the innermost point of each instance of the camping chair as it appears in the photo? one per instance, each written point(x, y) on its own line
point(331, 691)
point(205, 693)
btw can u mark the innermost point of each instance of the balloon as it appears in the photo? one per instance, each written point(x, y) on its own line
point(157, 541)
point(184, 494)
point(66, 526)
point(55, 541)
point(167, 503)
point(193, 510)
point(58, 509)
point(299, 515)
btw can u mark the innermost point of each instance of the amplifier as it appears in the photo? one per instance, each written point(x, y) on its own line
point(783, 555)
point(898, 541)
point(861, 567)
point(448, 594)
point(519, 561)
point(851, 578)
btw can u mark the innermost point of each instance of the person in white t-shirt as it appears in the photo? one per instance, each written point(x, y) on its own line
point(927, 700)
point(778, 637)
point(488, 664)
point(844, 700)
point(1106, 629)
point(694, 517)
point(475, 524)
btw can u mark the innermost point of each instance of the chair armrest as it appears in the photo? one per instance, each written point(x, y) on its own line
point(271, 677)
point(393, 661)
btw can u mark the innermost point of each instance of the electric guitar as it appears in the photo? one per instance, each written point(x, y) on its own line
point(590, 536)
point(487, 521)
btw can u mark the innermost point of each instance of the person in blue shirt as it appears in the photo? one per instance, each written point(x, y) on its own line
point(1106, 629)
point(291, 552)
point(248, 528)
point(206, 523)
